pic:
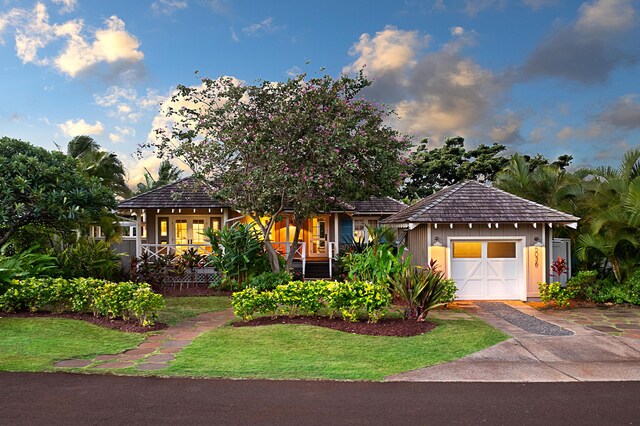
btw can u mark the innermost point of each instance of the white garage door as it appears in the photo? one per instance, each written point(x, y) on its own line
point(486, 270)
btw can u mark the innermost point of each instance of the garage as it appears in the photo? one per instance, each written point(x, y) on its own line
point(487, 270)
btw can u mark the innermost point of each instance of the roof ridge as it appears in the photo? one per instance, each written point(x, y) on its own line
point(452, 190)
point(156, 189)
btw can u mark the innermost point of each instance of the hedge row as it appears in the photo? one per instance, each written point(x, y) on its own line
point(308, 297)
point(124, 300)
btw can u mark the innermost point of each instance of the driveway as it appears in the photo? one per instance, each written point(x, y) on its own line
point(586, 355)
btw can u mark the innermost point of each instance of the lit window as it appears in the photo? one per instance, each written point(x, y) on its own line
point(467, 249)
point(501, 250)
point(360, 231)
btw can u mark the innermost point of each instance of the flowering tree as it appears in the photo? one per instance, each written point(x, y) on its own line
point(301, 144)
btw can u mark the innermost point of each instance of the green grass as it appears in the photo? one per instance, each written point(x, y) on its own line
point(178, 309)
point(34, 344)
point(308, 352)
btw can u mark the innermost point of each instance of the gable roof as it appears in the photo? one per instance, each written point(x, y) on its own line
point(185, 193)
point(473, 202)
point(188, 193)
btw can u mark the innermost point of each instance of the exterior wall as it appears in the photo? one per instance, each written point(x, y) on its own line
point(420, 243)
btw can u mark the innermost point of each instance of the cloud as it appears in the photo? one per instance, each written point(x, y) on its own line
point(167, 7)
point(623, 114)
point(137, 167)
point(79, 127)
point(507, 130)
point(121, 134)
point(234, 35)
point(435, 94)
point(590, 132)
point(539, 4)
point(112, 45)
point(68, 6)
point(473, 7)
point(457, 31)
point(587, 50)
point(266, 26)
point(125, 103)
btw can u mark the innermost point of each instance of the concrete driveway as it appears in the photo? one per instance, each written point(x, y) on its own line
point(587, 355)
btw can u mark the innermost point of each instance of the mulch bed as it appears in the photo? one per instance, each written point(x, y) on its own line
point(385, 327)
point(115, 324)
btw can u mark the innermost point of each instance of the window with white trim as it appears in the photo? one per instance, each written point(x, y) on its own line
point(360, 231)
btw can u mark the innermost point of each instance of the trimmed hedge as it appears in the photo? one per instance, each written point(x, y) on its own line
point(124, 300)
point(309, 297)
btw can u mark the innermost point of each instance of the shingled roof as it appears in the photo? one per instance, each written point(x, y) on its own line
point(185, 193)
point(188, 193)
point(473, 202)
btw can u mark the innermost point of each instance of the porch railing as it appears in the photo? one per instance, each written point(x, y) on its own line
point(301, 252)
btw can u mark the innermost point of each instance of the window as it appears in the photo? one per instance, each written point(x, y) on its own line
point(360, 232)
point(163, 230)
point(467, 249)
point(501, 250)
point(215, 223)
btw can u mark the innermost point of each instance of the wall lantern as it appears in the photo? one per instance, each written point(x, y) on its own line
point(538, 243)
point(436, 242)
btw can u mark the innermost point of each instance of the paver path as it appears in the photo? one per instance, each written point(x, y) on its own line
point(616, 320)
point(157, 350)
point(587, 355)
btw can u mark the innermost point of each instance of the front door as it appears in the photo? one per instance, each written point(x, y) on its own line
point(189, 231)
point(318, 236)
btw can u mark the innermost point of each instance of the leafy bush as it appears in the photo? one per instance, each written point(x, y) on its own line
point(238, 252)
point(377, 264)
point(580, 282)
point(421, 289)
point(124, 300)
point(556, 292)
point(23, 265)
point(449, 291)
point(88, 258)
point(633, 288)
point(268, 281)
point(607, 290)
point(350, 296)
point(310, 296)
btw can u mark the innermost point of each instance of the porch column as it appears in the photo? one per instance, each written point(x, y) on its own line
point(138, 233)
point(225, 217)
point(286, 231)
point(336, 232)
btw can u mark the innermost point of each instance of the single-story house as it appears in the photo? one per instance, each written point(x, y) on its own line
point(495, 245)
point(173, 217)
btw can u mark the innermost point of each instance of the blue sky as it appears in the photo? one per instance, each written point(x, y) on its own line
point(548, 76)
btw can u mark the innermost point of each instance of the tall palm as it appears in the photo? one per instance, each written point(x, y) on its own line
point(612, 212)
point(167, 173)
point(106, 166)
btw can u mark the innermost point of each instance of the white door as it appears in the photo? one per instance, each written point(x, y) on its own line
point(487, 270)
point(318, 246)
point(189, 231)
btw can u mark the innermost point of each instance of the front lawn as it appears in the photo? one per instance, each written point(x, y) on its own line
point(178, 309)
point(308, 352)
point(34, 344)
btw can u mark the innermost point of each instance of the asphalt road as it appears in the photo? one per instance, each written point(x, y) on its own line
point(58, 398)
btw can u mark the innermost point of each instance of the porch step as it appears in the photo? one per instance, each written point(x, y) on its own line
point(317, 270)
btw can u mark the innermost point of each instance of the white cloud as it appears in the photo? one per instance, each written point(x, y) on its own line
point(34, 32)
point(234, 35)
point(623, 114)
point(473, 7)
point(79, 127)
point(604, 16)
point(266, 26)
point(539, 4)
point(121, 134)
point(167, 7)
point(68, 6)
point(125, 103)
point(507, 130)
point(457, 31)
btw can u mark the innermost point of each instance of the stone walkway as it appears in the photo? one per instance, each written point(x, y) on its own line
point(157, 350)
point(615, 320)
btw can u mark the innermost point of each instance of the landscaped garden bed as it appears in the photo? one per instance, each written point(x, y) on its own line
point(385, 327)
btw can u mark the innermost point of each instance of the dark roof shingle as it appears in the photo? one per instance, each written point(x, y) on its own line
point(185, 193)
point(473, 202)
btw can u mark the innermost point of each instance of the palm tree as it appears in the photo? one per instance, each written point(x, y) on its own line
point(167, 173)
point(101, 164)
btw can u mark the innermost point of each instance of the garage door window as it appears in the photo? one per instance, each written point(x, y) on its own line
point(501, 250)
point(467, 249)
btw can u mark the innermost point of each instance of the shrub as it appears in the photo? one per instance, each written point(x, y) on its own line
point(377, 264)
point(24, 265)
point(580, 282)
point(351, 296)
point(421, 290)
point(268, 281)
point(88, 258)
point(607, 290)
point(310, 296)
point(555, 292)
point(124, 300)
point(449, 291)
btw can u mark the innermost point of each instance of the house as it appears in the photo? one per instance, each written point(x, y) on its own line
point(173, 218)
point(495, 245)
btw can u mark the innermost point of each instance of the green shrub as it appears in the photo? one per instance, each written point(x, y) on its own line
point(123, 300)
point(449, 291)
point(88, 258)
point(377, 264)
point(580, 282)
point(607, 290)
point(310, 296)
point(351, 296)
point(556, 292)
point(24, 265)
point(268, 281)
point(633, 288)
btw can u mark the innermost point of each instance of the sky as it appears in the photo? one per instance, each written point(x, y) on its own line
point(539, 76)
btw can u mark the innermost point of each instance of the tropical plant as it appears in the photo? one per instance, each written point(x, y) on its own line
point(420, 289)
point(95, 162)
point(556, 292)
point(377, 265)
point(268, 281)
point(23, 265)
point(379, 235)
point(88, 258)
point(237, 252)
point(559, 267)
point(167, 173)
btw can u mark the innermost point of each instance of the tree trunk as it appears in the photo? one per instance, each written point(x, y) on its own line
point(274, 257)
point(295, 244)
